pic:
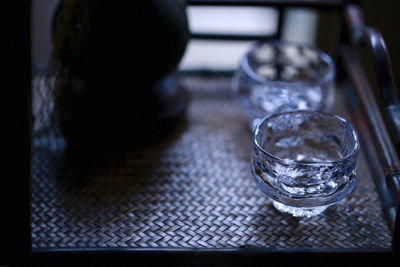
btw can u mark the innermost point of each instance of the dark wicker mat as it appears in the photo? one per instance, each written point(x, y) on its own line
point(193, 190)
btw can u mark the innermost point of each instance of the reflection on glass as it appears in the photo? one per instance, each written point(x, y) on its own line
point(305, 160)
point(281, 76)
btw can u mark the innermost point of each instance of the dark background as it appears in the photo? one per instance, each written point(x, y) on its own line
point(384, 16)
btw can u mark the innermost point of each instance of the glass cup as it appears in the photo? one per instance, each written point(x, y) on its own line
point(304, 161)
point(280, 76)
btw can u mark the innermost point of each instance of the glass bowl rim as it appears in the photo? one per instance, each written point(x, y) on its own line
point(354, 152)
point(327, 78)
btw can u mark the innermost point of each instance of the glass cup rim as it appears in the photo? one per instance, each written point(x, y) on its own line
point(354, 151)
point(320, 82)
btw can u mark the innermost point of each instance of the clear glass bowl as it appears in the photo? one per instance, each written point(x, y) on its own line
point(280, 76)
point(305, 160)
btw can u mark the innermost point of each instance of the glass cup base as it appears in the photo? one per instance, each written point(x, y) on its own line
point(299, 211)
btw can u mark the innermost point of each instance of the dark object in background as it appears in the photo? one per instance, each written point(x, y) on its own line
point(109, 61)
point(15, 194)
point(383, 16)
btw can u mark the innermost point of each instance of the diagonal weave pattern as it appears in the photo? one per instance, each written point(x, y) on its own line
point(192, 190)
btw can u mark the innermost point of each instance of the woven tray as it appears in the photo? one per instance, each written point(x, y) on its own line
point(194, 190)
